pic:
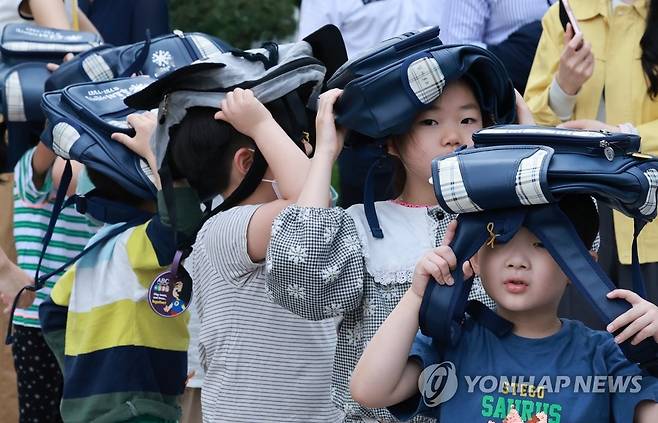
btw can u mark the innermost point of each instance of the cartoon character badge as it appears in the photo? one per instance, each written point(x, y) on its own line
point(171, 292)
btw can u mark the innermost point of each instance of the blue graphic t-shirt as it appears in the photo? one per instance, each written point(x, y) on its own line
point(575, 375)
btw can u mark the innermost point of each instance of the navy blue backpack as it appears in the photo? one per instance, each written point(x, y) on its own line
point(81, 120)
point(24, 50)
point(154, 57)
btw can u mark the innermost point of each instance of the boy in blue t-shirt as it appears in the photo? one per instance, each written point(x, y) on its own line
point(546, 370)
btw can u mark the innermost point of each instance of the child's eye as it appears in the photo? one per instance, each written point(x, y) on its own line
point(468, 121)
point(428, 122)
point(538, 244)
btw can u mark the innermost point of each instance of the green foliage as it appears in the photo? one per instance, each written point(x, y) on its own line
point(239, 22)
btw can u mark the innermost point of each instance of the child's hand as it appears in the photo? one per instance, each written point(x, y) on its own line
point(244, 112)
point(52, 67)
point(144, 125)
point(642, 318)
point(328, 139)
point(438, 263)
point(523, 113)
point(140, 144)
point(12, 280)
point(646, 411)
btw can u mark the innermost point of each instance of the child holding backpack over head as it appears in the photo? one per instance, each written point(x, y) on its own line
point(262, 363)
point(526, 283)
point(120, 360)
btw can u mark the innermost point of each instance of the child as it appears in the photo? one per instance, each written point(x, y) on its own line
point(37, 177)
point(261, 362)
point(121, 361)
point(555, 357)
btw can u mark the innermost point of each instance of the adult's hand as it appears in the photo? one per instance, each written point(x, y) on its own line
point(589, 124)
point(576, 62)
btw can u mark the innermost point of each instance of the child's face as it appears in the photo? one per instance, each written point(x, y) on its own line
point(448, 124)
point(521, 275)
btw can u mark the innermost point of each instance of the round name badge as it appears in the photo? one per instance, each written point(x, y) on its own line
point(170, 293)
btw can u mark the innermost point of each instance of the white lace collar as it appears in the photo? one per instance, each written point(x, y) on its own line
point(408, 233)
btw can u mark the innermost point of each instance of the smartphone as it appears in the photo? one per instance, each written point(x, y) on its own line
point(567, 16)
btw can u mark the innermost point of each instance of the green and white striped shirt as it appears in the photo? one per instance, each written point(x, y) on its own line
point(32, 210)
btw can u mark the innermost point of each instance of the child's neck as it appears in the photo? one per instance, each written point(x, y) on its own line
point(261, 195)
point(418, 192)
point(532, 323)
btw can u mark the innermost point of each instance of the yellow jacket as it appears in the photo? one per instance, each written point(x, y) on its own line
point(618, 69)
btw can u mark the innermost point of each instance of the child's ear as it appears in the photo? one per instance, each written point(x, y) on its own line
point(242, 160)
point(475, 263)
point(391, 148)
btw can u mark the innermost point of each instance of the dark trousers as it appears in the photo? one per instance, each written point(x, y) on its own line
point(38, 375)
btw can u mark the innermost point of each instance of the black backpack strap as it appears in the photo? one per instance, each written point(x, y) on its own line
point(638, 281)
point(553, 228)
point(64, 183)
point(137, 66)
point(369, 197)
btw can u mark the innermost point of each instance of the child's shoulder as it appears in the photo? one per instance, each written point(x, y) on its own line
point(586, 334)
point(226, 224)
point(394, 218)
point(573, 332)
point(384, 208)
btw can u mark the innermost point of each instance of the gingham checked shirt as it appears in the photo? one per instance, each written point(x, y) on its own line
point(324, 263)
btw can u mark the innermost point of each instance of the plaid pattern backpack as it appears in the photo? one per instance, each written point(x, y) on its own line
point(25, 49)
point(154, 57)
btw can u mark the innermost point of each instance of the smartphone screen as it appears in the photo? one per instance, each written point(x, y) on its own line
point(567, 16)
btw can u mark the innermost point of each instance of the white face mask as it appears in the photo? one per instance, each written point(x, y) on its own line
point(334, 196)
point(275, 187)
point(275, 184)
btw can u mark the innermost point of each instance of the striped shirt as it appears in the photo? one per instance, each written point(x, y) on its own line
point(32, 210)
point(262, 363)
point(488, 22)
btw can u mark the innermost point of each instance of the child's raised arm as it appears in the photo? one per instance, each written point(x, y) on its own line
point(329, 143)
point(42, 161)
point(641, 320)
point(288, 163)
point(385, 375)
point(249, 116)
